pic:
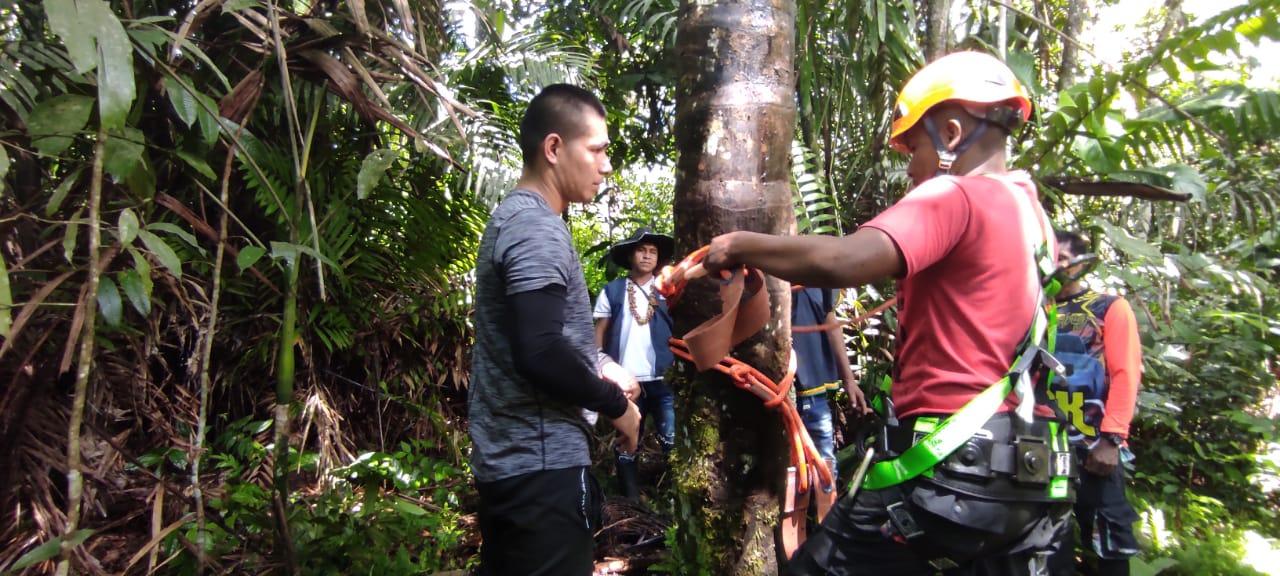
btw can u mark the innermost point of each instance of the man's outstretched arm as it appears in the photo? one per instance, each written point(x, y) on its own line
point(821, 261)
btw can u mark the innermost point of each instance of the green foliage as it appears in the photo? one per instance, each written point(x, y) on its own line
point(48, 551)
point(388, 513)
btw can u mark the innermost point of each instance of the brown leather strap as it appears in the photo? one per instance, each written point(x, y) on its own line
point(744, 310)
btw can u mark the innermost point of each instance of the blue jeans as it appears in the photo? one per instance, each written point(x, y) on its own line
point(657, 401)
point(815, 412)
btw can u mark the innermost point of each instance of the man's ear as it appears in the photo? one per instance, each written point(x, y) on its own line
point(551, 146)
point(952, 132)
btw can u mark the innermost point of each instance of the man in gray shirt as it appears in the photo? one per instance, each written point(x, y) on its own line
point(535, 366)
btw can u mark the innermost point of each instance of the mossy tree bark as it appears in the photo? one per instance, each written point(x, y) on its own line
point(735, 116)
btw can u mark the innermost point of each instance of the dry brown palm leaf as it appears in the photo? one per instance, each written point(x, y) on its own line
point(345, 84)
point(1084, 187)
point(29, 309)
point(238, 103)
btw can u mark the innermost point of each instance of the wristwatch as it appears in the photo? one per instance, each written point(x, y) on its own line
point(1115, 439)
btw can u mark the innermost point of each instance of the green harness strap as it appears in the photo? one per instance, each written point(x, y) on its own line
point(958, 428)
point(937, 445)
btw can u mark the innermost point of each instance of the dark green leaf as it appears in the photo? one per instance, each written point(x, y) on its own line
point(371, 171)
point(138, 292)
point(109, 301)
point(248, 256)
point(6, 301)
point(167, 257)
point(142, 181)
point(209, 125)
point(143, 267)
point(4, 165)
point(197, 163)
point(54, 122)
point(60, 193)
point(123, 152)
point(69, 240)
point(183, 102)
point(115, 65)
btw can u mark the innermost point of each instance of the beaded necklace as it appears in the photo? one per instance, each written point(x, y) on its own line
point(632, 287)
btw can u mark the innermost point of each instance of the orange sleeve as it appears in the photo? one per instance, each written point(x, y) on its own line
point(1123, 352)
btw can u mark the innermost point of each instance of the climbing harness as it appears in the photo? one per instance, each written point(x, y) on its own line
point(938, 440)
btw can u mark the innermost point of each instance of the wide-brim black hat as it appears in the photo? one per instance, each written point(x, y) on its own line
point(621, 252)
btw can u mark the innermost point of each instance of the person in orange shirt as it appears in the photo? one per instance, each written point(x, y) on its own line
point(1099, 347)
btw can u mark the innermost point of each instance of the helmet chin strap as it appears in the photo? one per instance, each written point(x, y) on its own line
point(946, 157)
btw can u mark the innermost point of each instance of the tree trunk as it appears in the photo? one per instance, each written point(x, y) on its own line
point(938, 29)
point(735, 114)
point(1076, 10)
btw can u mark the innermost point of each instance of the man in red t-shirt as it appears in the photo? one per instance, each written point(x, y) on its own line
point(963, 244)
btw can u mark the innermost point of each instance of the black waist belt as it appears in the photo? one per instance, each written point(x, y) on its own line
point(996, 461)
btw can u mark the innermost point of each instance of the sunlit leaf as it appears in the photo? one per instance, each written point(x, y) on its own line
point(372, 169)
point(1128, 244)
point(6, 300)
point(167, 257)
point(127, 228)
point(71, 236)
point(4, 166)
point(248, 256)
point(178, 231)
point(49, 550)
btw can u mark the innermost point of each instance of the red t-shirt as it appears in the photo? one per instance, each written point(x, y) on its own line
point(970, 289)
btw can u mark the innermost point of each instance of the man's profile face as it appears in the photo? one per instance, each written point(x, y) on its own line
point(582, 162)
point(645, 258)
point(1064, 257)
point(924, 158)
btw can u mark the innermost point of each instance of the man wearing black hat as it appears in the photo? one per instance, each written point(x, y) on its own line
point(632, 327)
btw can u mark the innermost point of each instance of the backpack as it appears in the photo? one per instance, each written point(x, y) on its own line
point(1081, 389)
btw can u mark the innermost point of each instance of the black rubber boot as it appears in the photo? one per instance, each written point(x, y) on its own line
point(629, 479)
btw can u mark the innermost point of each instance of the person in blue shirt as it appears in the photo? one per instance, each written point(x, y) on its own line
point(821, 365)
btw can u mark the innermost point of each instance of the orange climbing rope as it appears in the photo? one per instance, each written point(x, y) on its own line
point(743, 314)
point(887, 304)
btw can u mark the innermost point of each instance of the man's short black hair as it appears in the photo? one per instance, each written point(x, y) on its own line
point(557, 109)
point(1074, 241)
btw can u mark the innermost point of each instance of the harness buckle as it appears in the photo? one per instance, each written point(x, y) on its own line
point(1032, 462)
point(902, 521)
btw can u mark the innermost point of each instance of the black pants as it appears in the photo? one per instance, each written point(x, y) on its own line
point(961, 535)
point(539, 524)
point(1106, 519)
